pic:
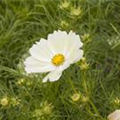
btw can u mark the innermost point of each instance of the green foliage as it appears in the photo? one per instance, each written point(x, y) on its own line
point(25, 97)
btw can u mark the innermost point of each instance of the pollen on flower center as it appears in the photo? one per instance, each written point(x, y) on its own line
point(58, 59)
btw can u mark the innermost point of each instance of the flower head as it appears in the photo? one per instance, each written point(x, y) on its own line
point(64, 5)
point(4, 101)
point(37, 113)
point(21, 81)
point(75, 97)
point(86, 37)
point(115, 115)
point(83, 64)
point(64, 24)
point(15, 101)
point(85, 99)
point(54, 55)
point(76, 11)
point(48, 109)
point(115, 101)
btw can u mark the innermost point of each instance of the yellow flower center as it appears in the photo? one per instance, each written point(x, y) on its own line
point(58, 59)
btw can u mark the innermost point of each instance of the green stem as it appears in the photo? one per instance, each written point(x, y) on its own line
point(70, 81)
point(95, 109)
point(91, 103)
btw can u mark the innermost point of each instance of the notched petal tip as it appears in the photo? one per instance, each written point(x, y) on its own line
point(60, 31)
point(45, 79)
point(57, 33)
point(71, 31)
point(41, 40)
point(53, 76)
point(32, 48)
point(27, 70)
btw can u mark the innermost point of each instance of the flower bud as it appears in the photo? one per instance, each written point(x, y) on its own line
point(86, 37)
point(76, 11)
point(64, 24)
point(64, 5)
point(21, 81)
point(116, 101)
point(83, 64)
point(85, 99)
point(37, 113)
point(47, 108)
point(15, 101)
point(75, 97)
point(4, 101)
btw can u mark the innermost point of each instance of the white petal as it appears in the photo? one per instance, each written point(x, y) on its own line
point(79, 55)
point(41, 51)
point(65, 65)
point(53, 76)
point(115, 115)
point(61, 42)
point(74, 56)
point(76, 38)
point(72, 43)
point(56, 41)
point(33, 65)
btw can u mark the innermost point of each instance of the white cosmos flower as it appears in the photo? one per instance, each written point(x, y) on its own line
point(115, 115)
point(54, 55)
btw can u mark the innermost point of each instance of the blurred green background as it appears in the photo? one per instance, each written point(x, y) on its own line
point(25, 97)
